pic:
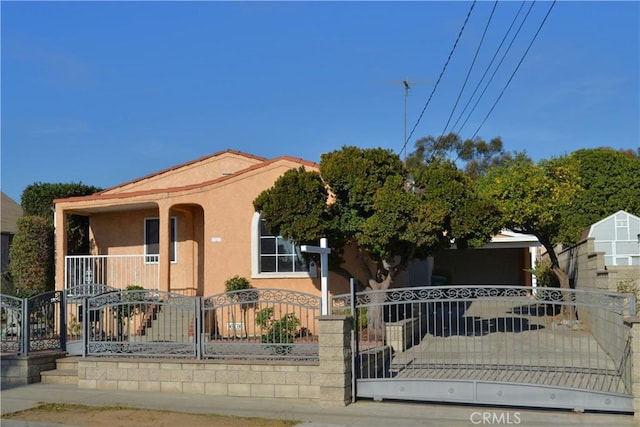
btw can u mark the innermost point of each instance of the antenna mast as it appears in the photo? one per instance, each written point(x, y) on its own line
point(407, 85)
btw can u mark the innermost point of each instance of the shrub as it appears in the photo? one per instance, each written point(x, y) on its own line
point(545, 275)
point(282, 331)
point(31, 264)
point(630, 287)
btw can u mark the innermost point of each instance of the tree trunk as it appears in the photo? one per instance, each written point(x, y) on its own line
point(375, 319)
point(563, 278)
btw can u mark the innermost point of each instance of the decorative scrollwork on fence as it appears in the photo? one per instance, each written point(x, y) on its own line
point(253, 296)
point(8, 302)
point(106, 348)
point(87, 290)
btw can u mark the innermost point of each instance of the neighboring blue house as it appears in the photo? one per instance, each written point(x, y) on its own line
point(618, 237)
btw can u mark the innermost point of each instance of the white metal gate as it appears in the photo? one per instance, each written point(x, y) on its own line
point(500, 345)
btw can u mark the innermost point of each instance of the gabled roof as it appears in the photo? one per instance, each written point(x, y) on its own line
point(184, 166)
point(10, 211)
point(106, 195)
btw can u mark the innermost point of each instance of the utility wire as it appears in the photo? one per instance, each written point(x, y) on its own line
point(466, 79)
point(504, 55)
point(440, 76)
point(504, 38)
point(517, 67)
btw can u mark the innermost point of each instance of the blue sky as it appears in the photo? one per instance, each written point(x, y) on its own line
point(106, 92)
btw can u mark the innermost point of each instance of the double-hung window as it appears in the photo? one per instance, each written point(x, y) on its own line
point(277, 256)
point(152, 240)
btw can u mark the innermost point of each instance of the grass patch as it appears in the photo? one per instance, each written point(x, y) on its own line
point(122, 416)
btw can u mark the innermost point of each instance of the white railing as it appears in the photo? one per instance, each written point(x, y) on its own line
point(118, 271)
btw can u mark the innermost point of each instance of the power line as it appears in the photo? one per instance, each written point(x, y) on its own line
point(517, 67)
point(466, 79)
point(504, 38)
point(504, 55)
point(440, 76)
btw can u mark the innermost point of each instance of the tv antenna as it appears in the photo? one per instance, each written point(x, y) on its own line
point(407, 84)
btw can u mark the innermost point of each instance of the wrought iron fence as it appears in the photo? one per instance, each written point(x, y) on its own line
point(261, 324)
point(141, 323)
point(100, 320)
point(32, 324)
point(573, 339)
point(11, 314)
point(46, 322)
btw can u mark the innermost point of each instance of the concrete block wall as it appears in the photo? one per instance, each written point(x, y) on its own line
point(273, 379)
point(22, 370)
point(327, 380)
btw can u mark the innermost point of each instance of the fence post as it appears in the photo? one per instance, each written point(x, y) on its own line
point(24, 327)
point(63, 321)
point(335, 359)
point(355, 339)
point(197, 328)
point(634, 345)
point(85, 325)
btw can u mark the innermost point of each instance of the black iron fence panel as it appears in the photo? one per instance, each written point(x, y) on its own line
point(11, 314)
point(46, 325)
point(141, 323)
point(260, 324)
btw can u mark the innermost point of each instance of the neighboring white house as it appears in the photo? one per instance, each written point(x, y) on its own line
point(618, 237)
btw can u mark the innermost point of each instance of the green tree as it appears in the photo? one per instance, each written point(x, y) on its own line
point(611, 182)
point(31, 266)
point(475, 156)
point(389, 214)
point(534, 198)
point(37, 199)
point(31, 253)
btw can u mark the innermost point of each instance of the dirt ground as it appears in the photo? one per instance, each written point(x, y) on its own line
point(79, 415)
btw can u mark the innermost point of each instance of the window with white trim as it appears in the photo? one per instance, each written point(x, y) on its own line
point(276, 256)
point(152, 240)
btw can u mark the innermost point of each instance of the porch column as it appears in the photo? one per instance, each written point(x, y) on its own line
point(164, 260)
point(60, 236)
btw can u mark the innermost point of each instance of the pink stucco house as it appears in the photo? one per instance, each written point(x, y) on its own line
point(187, 229)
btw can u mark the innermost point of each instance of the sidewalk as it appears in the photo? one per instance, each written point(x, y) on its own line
point(311, 414)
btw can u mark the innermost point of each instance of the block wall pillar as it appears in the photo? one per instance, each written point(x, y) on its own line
point(335, 359)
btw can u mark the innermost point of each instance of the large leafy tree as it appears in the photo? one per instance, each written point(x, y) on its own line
point(534, 198)
point(557, 199)
point(611, 182)
point(368, 200)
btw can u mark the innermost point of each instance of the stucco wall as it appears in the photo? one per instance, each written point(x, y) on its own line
point(214, 229)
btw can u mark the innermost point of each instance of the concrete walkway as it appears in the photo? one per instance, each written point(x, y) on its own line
point(310, 414)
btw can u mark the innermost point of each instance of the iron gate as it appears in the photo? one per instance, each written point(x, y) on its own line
point(75, 317)
point(500, 345)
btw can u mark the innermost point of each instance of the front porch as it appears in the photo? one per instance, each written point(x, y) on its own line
point(115, 271)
